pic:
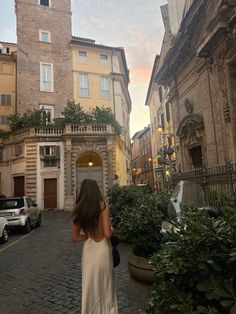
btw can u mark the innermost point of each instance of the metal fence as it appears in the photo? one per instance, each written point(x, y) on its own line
point(219, 183)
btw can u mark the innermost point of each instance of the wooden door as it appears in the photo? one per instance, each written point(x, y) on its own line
point(50, 193)
point(19, 186)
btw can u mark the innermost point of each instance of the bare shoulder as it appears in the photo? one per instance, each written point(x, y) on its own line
point(105, 210)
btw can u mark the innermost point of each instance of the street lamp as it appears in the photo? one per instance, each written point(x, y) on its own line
point(159, 129)
point(165, 157)
point(134, 175)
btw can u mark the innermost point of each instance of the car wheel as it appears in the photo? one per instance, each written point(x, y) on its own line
point(27, 226)
point(5, 235)
point(38, 223)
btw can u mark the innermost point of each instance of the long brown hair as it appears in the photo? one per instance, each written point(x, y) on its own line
point(88, 206)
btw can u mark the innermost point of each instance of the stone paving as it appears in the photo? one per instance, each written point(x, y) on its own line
point(41, 273)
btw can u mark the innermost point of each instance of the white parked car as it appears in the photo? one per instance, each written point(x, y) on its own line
point(3, 230)
point(20, 212)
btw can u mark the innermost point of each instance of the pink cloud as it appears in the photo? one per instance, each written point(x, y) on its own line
point(139, 75)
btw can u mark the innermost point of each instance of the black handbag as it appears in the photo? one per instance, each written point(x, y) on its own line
point(115, 251)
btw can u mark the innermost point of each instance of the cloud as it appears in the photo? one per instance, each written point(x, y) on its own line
point(139, 75)
point(98, 22)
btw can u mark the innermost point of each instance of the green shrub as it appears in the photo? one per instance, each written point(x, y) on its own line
point(196, 267)
point(28, 119)
point(135, 213)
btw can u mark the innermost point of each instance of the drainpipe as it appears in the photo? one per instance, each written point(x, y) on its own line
point(113, 92)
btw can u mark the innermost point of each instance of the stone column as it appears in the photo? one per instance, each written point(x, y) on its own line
point(69, 200)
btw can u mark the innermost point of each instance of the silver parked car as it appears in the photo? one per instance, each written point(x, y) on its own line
point(20, 212)
point(3, 230)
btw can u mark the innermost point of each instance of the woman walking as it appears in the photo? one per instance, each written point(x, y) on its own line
point(92, 224)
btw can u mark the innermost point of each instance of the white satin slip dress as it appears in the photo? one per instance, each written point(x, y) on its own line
point(98, 291)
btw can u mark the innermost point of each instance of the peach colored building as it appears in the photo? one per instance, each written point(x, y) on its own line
point(7, 83)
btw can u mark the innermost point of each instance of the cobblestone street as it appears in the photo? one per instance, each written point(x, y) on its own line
point(41, 273)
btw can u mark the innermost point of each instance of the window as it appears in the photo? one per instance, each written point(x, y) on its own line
point(162, 121)
point(48, 113)
point(50, 155)
point(1, 153)
point(46, 77)
point(105, 90)
point(103, 60)
point(82, 56)
point(168, 111)
point(4, 120)
point(44, 36)
point(5, 100)
point(7, 68)
point(160, 93)
point(46, 3)
point(18, 149)
point(83, 85)
point(104, 57)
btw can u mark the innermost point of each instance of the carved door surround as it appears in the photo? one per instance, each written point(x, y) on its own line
point(190, 133)
point(190, 130)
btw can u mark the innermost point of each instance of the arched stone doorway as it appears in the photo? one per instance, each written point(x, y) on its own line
point(89, 165)
point(190, 133)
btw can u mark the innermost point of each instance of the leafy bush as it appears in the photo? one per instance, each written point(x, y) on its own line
point(105, 115)
point(28, 119)
point(3, 133)
point(73, 113)
point(163, 199)
point(196, 267)
point(134, 212)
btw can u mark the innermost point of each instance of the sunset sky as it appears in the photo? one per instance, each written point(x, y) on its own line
point(135, 25)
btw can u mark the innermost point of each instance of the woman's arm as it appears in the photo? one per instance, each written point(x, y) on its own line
point(76, 236)
point(106, 223)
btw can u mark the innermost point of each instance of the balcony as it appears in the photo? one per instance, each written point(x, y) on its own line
point(73, 129)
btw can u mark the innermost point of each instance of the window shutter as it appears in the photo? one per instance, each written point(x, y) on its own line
point(162, 121)
point(168, 111)
point(41, 150)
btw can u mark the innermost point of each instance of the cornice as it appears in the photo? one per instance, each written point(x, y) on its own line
point(182, 49)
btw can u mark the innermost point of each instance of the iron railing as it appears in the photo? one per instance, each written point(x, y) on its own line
point(218, 183)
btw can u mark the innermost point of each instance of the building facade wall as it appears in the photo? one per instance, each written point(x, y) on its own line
point(7, 86)
point(87, 61)
point(31, 51)
point(95, 69)
point(202, 85)
point(43, 145)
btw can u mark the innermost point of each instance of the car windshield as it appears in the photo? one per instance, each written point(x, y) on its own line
point(11, 203)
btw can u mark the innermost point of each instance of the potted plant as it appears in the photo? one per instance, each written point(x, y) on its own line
point(135, 213)
point(196, 266)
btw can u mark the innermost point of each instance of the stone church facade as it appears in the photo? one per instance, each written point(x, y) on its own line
point(200, 69)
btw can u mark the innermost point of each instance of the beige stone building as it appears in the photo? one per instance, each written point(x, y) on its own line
point(199, 69)
point(48, 163)
point(157, 99)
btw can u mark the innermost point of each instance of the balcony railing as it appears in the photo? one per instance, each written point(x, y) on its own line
point(73, 129)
